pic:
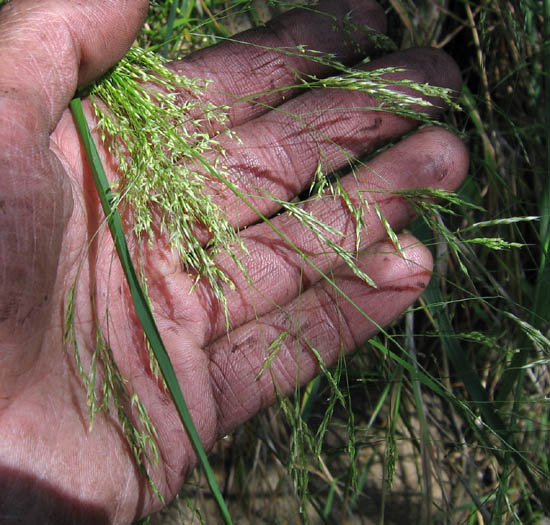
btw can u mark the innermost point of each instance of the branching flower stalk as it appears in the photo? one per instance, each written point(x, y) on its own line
point(381, 88)
point(144, 118)
point(431, 211)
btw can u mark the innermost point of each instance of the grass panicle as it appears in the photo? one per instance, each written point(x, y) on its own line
point(144, 116)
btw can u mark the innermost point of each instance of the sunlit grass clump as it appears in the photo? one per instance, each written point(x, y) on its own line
point(157, 126)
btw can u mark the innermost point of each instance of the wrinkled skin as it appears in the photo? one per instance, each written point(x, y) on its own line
point(52, 469)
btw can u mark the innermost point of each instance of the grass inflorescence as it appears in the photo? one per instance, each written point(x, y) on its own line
point(145, 120)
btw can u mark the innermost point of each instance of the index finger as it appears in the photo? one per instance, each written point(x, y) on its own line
point(266, 59)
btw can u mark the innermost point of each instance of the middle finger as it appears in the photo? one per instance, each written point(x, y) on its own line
point(277, 154)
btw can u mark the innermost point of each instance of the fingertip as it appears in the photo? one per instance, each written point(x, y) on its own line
point(56, 45)
point(423, 65)
point(368, 13)
point(430, 158)
point(445, 157)
point(106, 33)
point(409, 261)
point(401, 272)
point(438, 67)
point(419, 260)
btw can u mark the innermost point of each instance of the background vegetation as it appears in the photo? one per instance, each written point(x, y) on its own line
point(447, 421)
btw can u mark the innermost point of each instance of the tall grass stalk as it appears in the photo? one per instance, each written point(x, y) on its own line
point(541, 310)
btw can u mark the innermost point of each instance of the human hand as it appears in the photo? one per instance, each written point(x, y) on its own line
point(52, 468)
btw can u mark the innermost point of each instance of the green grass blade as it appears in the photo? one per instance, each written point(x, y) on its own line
point(425, 438)
point(140, 301)
point(458, 359)
point(310, 397)
point(329, 501)
point(170, 26)
point(541, 309)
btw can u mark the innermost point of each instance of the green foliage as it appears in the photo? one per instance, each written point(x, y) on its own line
point(139, 441)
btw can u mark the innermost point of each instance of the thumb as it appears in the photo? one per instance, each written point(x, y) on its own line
point(47, 49)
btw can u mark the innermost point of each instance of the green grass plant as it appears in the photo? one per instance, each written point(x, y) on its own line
point(151, 127)
point(143, 311)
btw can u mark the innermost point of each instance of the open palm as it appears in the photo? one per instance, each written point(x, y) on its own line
point(52, 468)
